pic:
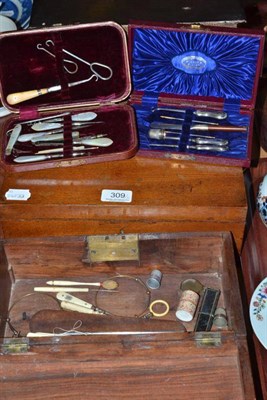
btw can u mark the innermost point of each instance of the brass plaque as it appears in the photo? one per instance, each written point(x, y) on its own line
point(102, 248)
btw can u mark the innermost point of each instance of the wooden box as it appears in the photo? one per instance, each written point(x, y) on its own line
point(167, 195)
point(120, 354)
point(254, 258)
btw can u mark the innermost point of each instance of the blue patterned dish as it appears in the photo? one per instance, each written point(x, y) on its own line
point(17, 10)
point(262, 200)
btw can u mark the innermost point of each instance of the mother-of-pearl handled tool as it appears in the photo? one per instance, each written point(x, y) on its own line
point(63, 296)
point(47, 126)
point(84, 116)
point(34, 137)
point(100, 142)
point(12, 139)
point(80, 117)
point(43, 157)
point(61, 149)
point(71, 303)
point(65, 305)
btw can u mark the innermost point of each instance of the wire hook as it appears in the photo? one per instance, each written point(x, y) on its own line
point(93, 66)
point(65, 60)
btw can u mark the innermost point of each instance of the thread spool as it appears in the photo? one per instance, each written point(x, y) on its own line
point(154, 281)
point(187, 306)
point(220, 318)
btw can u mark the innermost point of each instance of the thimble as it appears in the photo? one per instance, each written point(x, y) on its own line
point(154, 281)
point(220, 318)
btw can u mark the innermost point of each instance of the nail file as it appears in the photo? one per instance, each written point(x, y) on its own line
point(72, 283)
point(30, 121)
point(59, 150)
point(12, 139)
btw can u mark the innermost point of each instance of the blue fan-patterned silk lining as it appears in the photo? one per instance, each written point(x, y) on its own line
point(197, 64)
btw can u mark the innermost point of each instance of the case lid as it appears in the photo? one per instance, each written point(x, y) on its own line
point(215, 64)
point(64, 67)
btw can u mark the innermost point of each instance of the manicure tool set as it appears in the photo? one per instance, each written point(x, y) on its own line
point(191, 132)
point(194, 92)
point(66, 97)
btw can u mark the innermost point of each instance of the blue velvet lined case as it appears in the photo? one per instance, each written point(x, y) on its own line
point(180, 70)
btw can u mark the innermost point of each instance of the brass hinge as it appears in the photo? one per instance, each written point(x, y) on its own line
point(15, 346)
point(103, 248)
point(208, 339)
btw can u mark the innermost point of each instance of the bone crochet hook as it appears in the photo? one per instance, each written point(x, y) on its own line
point(60, 289)
point(108, 284)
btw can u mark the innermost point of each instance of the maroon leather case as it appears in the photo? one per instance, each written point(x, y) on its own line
point(72, 69)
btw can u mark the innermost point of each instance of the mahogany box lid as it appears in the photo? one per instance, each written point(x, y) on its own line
point(180, 74)
point(135, 336)
point(78, 68)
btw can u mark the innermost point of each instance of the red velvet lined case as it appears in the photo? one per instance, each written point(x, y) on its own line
point(181, 75)
point(66, 70)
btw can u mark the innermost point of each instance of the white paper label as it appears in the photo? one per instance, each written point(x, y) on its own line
point(117, 196)
point(18, 194)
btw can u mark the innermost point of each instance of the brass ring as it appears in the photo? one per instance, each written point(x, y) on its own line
point(159, 302)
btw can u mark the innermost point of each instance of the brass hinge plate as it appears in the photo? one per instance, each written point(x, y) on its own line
point(15, 346)
point(103, 248)
point(208, 339)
